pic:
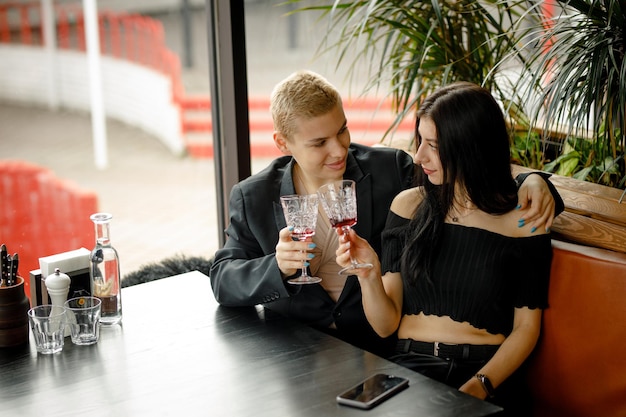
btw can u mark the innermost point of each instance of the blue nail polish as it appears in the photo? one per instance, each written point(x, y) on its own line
point(519, 206)
point(306, 264)
point(290, 228)
point(312, 245)
point(547, 230)
point(533, 230)
point(310, 256)
point(520, 222)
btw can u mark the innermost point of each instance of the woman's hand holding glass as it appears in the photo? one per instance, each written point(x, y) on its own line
point(353, 247)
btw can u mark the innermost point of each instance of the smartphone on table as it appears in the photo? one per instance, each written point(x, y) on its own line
point(372, 391)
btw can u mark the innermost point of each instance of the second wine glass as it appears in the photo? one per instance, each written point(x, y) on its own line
point(339, 201)
point(301, 214)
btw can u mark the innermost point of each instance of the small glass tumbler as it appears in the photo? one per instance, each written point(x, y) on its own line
point(47, 323)
point(83, 319)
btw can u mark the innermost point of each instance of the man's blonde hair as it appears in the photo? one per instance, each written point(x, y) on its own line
point(302, 94)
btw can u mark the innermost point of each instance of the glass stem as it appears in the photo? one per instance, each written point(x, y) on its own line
point(346, 232)
point(304, 272)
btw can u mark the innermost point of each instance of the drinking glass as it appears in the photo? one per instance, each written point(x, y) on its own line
point(83, 318)
point(48, 325)
point(339, 201)
point(301, 214)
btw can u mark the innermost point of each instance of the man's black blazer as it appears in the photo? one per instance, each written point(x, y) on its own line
point(245, 271)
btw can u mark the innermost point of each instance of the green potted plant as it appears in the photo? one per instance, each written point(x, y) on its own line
point(415, 47)
point(574, 64)
point(575, 69)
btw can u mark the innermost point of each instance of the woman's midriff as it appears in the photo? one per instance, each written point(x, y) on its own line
point(444, 330)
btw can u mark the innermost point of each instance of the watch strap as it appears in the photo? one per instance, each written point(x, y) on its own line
point(486, 384)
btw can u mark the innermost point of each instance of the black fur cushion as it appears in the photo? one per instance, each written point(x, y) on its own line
point(171, 266)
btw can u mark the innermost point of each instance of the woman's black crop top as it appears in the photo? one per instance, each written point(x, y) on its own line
point(478, 276)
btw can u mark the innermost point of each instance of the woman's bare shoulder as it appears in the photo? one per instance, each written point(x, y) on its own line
point(406, 202)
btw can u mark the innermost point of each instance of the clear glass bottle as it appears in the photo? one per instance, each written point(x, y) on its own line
point(105, 271)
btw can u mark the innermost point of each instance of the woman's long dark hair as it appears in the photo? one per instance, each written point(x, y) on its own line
point(474, 149)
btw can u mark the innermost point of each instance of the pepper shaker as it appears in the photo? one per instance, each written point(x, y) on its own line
point(58, 286)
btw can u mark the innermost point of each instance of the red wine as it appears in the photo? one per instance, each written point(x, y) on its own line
point(343, 222)
point(302, 234)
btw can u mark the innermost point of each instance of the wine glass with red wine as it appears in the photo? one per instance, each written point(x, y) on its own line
point(301, 214)
point(339, 201)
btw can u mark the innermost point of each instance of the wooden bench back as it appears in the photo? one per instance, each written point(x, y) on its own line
point(593, 215)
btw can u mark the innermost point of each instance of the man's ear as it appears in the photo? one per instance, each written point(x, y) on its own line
point(281, 143)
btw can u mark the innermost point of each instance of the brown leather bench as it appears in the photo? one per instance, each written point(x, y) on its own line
point(579, 365)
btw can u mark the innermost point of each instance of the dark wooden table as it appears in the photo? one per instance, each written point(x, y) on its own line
point(180, 354)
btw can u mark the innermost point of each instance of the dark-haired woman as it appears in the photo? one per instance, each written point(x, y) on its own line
point(464, 283)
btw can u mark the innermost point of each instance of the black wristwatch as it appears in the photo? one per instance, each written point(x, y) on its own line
point(486, 383)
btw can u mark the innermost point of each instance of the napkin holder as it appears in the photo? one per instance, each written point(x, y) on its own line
point(74, 263)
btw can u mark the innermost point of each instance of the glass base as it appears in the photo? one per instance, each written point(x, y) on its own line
point(110, 320)
point(85, 340)
point(51, 346)
point(304, 280)
point(352, 269)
